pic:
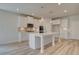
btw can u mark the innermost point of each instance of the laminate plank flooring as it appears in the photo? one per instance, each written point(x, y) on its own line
point(65, 47)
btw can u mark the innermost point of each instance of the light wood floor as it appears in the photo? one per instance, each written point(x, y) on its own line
point(65, 47)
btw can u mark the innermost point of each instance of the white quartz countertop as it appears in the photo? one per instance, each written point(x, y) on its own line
point(38, 34)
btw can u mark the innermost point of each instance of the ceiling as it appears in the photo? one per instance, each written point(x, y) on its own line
point(47, 10)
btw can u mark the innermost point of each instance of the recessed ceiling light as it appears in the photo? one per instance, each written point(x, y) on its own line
point(59, 3)
point(17, 9)
point(65, 11)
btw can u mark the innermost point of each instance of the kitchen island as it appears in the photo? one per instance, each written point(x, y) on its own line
point(39, 40)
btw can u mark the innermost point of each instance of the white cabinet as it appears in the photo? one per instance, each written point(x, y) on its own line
point(35, 39)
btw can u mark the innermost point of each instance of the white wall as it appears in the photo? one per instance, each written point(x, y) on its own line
point(69, 27)
point(8, 29)
point(74, 27)
point(64, 28)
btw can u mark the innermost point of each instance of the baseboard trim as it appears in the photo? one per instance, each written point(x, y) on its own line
point(14, 42)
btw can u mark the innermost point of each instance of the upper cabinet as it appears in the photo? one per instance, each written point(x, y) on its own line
point(56, 21)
